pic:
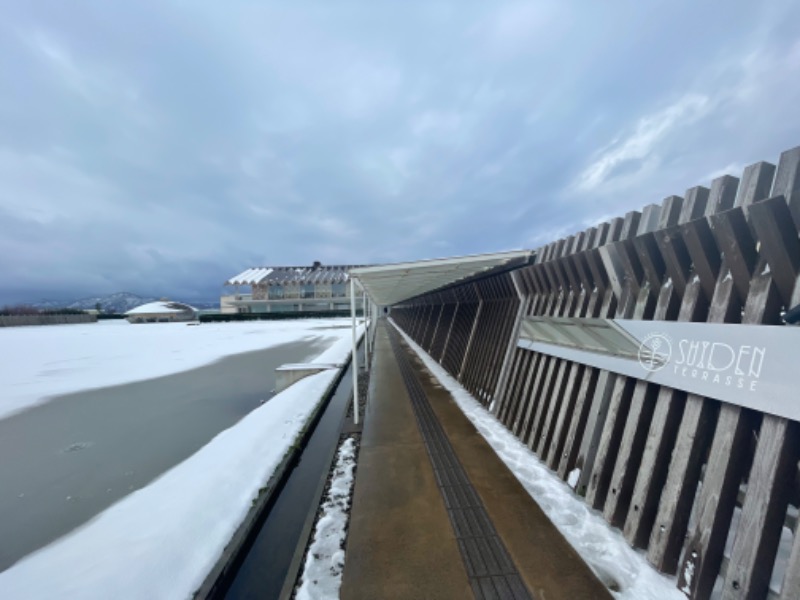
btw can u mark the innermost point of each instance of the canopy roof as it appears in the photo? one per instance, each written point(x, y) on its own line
point(316, 273)
point(393, 283)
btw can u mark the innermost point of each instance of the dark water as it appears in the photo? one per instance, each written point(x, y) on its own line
point(262, 573)
point(63, 462)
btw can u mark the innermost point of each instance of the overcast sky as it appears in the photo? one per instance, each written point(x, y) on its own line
point(161, 147)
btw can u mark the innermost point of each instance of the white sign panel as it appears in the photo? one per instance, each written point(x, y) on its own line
point(755, 366)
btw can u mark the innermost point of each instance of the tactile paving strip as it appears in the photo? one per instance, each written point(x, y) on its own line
point(491, 571)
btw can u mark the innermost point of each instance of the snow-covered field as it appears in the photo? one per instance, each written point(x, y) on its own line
point(161, 541)
point(41, 362)
point(603, 548)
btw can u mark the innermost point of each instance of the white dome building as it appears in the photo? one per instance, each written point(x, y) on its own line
point(163, 311)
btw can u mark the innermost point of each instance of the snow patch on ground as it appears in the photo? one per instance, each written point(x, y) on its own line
point(603, 548)
point(573, 477)
point(322, 571)
point(41, 362)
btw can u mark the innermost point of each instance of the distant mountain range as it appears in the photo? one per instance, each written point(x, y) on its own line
point(113, 303)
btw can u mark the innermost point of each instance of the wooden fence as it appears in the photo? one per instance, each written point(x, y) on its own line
point(707, 488)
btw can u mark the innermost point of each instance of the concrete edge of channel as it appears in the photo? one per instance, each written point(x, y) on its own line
point(226, 565)
point(296, 566)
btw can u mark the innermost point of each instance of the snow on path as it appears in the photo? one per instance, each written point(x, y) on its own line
point(161, 541)
point(41, 362)
point(603, 548)
point(322, 570)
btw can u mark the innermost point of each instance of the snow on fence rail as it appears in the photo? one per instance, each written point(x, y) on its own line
point(666, 463)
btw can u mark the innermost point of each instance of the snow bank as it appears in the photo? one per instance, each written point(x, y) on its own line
point(41, 362)
point(322, 570)
point(603, 548)
point(161, 541)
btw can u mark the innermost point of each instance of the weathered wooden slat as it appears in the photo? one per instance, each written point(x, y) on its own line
point(582, 382)
point(724, 470)
point(667, 536)
point(623, 268)
point(723, 194)
point(572, 372)
point(449, 336)
point(756, 183)
point(511, 404)
point(501, 390)
point(772, 221)
point(535, 377)
point(641, 410)
point(608, 447)
point(790, 589)
point(703, 252)
point(526, 378)
point(764, 509)
point(675, 255)
point(529, 399)
point(650, 258)
point(553, 385)
point(651, 215)
point(694, 204)
point(516, 377)
point(595, 264)
point(608, 232)
point(669, 526)
point(556, 393)
point(660, 439)
point(523, 358)
point(787, 182)
point(697, 423)
point(635, 302)
point(544, 381)
point(471, 337)
point(585, 383)
point(631, 446)
point(602, 383)
point(732, 234)
point(670, 213)
point(439, 311)
point(559, 399)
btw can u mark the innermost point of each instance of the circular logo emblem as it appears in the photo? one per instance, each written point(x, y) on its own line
point(655, 352)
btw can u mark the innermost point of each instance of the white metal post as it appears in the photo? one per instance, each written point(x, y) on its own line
point(367, 324)
point(354, 363)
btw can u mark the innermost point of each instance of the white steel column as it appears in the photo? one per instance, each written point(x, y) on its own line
point(367, 324)
point(354, 363)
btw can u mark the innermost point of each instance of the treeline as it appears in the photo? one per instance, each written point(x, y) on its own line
point(25, 310)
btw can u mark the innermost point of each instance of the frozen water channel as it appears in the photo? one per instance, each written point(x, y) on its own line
point(65, 460)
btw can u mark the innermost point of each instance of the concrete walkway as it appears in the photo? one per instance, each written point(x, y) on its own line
point(401, 543)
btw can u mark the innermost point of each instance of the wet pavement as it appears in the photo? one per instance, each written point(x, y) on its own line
point(403, 539)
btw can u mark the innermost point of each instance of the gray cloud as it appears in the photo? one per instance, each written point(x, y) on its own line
point(161, 147)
